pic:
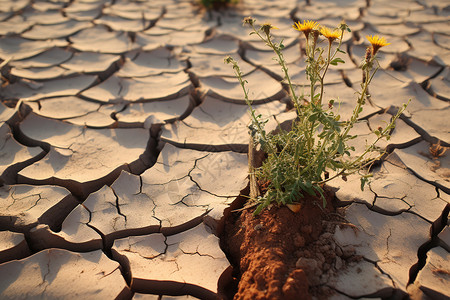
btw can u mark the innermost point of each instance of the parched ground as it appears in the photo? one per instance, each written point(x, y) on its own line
point(123, 138)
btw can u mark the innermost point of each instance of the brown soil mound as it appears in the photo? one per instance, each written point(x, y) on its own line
point(281, 254)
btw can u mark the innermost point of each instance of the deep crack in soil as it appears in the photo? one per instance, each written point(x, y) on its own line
point(280, 254)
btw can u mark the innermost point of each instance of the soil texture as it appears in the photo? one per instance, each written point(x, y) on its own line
point(280, 254)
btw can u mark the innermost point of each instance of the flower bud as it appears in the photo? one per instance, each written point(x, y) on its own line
point(330, 104)
point(266, 27)
point(368, 55)
point(248, 20)
point(315, 33)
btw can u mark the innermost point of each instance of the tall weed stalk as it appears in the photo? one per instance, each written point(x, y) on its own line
point(316, 149)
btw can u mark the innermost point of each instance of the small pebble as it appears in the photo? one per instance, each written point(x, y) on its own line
point(325, 248)
point(327, 235)
point(307, 264)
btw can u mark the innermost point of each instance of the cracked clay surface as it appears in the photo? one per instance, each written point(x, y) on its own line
point(123, 138)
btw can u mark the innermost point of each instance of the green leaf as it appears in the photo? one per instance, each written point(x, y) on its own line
point(258, 209)
point(307, 187)
point(313, 118)
point(342, 51)
point(337, 60)
point(364, 180)
point(336, 164)
point(341, 147)
point(320, 191)
point(322, 134)
point(320, 168)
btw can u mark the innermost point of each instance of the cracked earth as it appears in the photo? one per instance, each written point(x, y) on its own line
point(123, 139)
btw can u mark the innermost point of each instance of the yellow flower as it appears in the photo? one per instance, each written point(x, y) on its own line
point(330, 35)
point(306, 27)
point(377, 43)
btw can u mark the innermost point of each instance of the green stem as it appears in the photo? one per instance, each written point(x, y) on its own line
point(356, 111)
point(330, 58)
point(355, 114)
point(352, 165)
point(282, 63)
point(247, 100)
point(324, 72)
